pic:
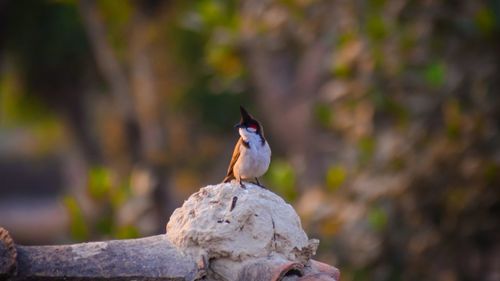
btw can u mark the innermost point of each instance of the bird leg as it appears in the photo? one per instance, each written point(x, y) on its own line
point(242, 184)
point(258, 183)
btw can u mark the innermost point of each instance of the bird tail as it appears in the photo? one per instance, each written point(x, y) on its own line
point(228, 178)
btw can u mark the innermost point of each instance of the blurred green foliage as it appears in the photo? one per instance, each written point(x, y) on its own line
point(366, 148)
point(323, 114)
point(78, 226)
point(378, 218)
point(13, 97)
point(335, 177)
point(452, 117)
point(398, 151)
point(281, 177)
point(99, 183)
point(108, 199)
point(435, 74)
point(486, 21)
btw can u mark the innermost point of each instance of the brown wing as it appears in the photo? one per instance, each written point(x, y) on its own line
point(236, 155)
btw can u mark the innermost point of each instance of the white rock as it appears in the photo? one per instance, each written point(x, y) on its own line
point(261, 224)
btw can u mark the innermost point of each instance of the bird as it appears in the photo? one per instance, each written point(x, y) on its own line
point(252, 154)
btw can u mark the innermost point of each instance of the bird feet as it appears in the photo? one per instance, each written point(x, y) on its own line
point(242, 185)
point(258, 183)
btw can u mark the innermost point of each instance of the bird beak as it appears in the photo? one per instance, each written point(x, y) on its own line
point(239, 125)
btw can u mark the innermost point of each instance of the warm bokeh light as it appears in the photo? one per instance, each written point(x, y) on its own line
point(383, 117)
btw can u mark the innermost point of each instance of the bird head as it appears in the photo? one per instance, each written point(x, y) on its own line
point(248, 123)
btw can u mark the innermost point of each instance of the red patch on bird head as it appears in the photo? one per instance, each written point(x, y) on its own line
point(253, 126)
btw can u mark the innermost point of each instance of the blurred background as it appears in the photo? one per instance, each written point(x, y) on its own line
point(383, 117)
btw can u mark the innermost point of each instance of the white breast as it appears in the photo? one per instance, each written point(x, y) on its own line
point(253, 161)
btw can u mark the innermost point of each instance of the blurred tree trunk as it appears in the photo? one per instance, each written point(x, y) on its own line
point(149, 104)
point(136, 98)
point(113, 75)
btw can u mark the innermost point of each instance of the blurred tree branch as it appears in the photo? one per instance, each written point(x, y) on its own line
point(106, 59)
point(150, 258)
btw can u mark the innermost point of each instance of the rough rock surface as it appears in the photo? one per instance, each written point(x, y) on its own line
point(227, 225)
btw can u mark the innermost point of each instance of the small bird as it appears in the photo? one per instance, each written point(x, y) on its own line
point(252, 154)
